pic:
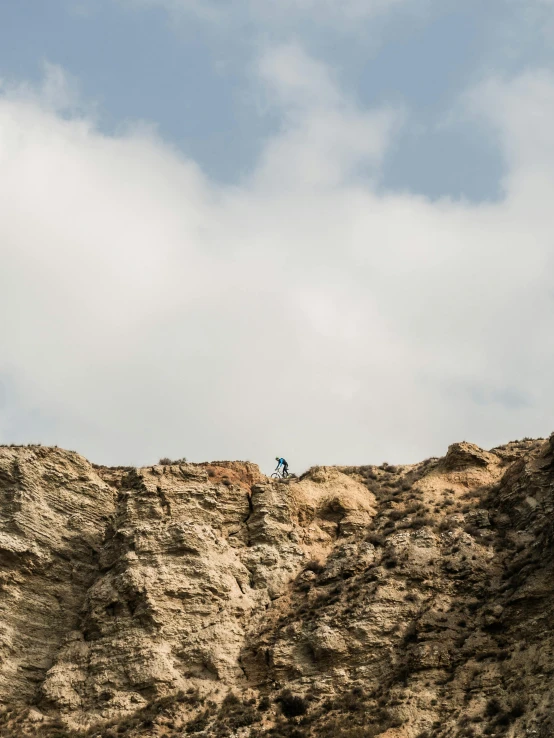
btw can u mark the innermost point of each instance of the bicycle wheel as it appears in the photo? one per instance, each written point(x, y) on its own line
point(276, 475)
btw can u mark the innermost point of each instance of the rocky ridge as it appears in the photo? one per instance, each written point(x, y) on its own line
point(206, 599)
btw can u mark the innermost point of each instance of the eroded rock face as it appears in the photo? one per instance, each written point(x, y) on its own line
point(122, 586)
point(466, 456)
point(399, 601)
point(53, 515)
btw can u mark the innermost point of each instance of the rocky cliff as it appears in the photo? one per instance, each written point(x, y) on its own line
point(205, 599)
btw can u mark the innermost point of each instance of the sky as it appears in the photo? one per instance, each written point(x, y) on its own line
point(314, 229)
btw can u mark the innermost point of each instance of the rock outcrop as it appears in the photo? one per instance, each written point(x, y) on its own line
point(206, 599)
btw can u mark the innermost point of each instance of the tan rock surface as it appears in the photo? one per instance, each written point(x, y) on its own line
point(205, 599)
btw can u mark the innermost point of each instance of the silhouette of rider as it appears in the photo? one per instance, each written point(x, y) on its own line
point(282, 464)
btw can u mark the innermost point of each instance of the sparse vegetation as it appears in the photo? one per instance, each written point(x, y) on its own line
point(493, 707)
point(376, 539)
point(292, 705)
point(165, 461)
point(314, 565)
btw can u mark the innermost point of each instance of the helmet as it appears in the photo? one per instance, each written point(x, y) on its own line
point(276, 458)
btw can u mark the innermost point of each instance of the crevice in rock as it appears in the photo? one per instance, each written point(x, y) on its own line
point(166, 505)
point(247, 518)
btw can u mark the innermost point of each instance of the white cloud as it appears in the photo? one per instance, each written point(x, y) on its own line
point(283, 13)
point(324, 139)
point(343, 10)
point(58, 92)
point(147, 311)
point(522, 111)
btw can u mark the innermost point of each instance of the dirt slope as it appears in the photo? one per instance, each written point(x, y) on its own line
point(208, 600)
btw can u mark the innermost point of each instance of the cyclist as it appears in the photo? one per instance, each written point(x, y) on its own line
point(281, 463)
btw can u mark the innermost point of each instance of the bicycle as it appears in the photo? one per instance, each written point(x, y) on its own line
point(281, 475)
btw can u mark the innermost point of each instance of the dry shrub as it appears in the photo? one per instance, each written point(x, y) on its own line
point(292, 705)
point(376, 539)
point(166, 461)
point(314, 565)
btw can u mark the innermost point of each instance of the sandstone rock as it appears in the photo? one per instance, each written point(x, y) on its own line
point(173, 599)
point(466, 455)
point(479, 517)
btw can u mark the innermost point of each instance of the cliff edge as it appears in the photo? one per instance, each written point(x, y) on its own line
point(206, 599)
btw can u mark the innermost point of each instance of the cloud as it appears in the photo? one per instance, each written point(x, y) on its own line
point(59, 92)
point(285, 13)
point(324, 138)
point(522, 111)
point(149, 312)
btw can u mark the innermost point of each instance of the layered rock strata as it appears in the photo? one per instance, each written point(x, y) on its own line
point(206, 599)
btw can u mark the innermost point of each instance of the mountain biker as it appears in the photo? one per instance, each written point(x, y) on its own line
point(282, 463)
